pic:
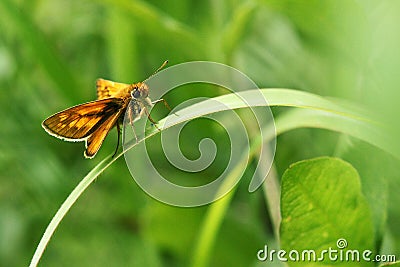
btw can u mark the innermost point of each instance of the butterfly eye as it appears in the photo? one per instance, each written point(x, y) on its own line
point(136, 94)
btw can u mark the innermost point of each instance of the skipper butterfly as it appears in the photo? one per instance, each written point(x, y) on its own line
point(92, 121)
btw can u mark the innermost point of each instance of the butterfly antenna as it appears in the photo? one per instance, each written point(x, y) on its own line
point(160, 68)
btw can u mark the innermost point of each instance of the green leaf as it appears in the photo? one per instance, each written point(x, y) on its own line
point(375, 170)
point(322, 203)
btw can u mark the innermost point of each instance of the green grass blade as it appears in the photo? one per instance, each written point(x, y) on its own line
point(122, 52)
point(315, 111)
point(151, 19)
point(65, 207)
point(41, 48)
point(237, 27)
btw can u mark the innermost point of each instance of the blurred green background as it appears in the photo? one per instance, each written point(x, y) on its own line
point(51, 53)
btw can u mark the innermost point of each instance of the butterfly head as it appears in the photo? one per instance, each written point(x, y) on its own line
point(140, 91)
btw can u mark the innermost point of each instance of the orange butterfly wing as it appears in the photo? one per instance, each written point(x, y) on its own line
point(95, 140)
point(106, 88)
point(78, 122)
point(90, 121)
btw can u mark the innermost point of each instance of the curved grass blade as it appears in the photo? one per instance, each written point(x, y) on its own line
point(318, 112)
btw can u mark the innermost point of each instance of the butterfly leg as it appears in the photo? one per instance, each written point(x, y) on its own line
point(119, 135)
point(151, 119)
point(130, 114)
point(165, 104)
